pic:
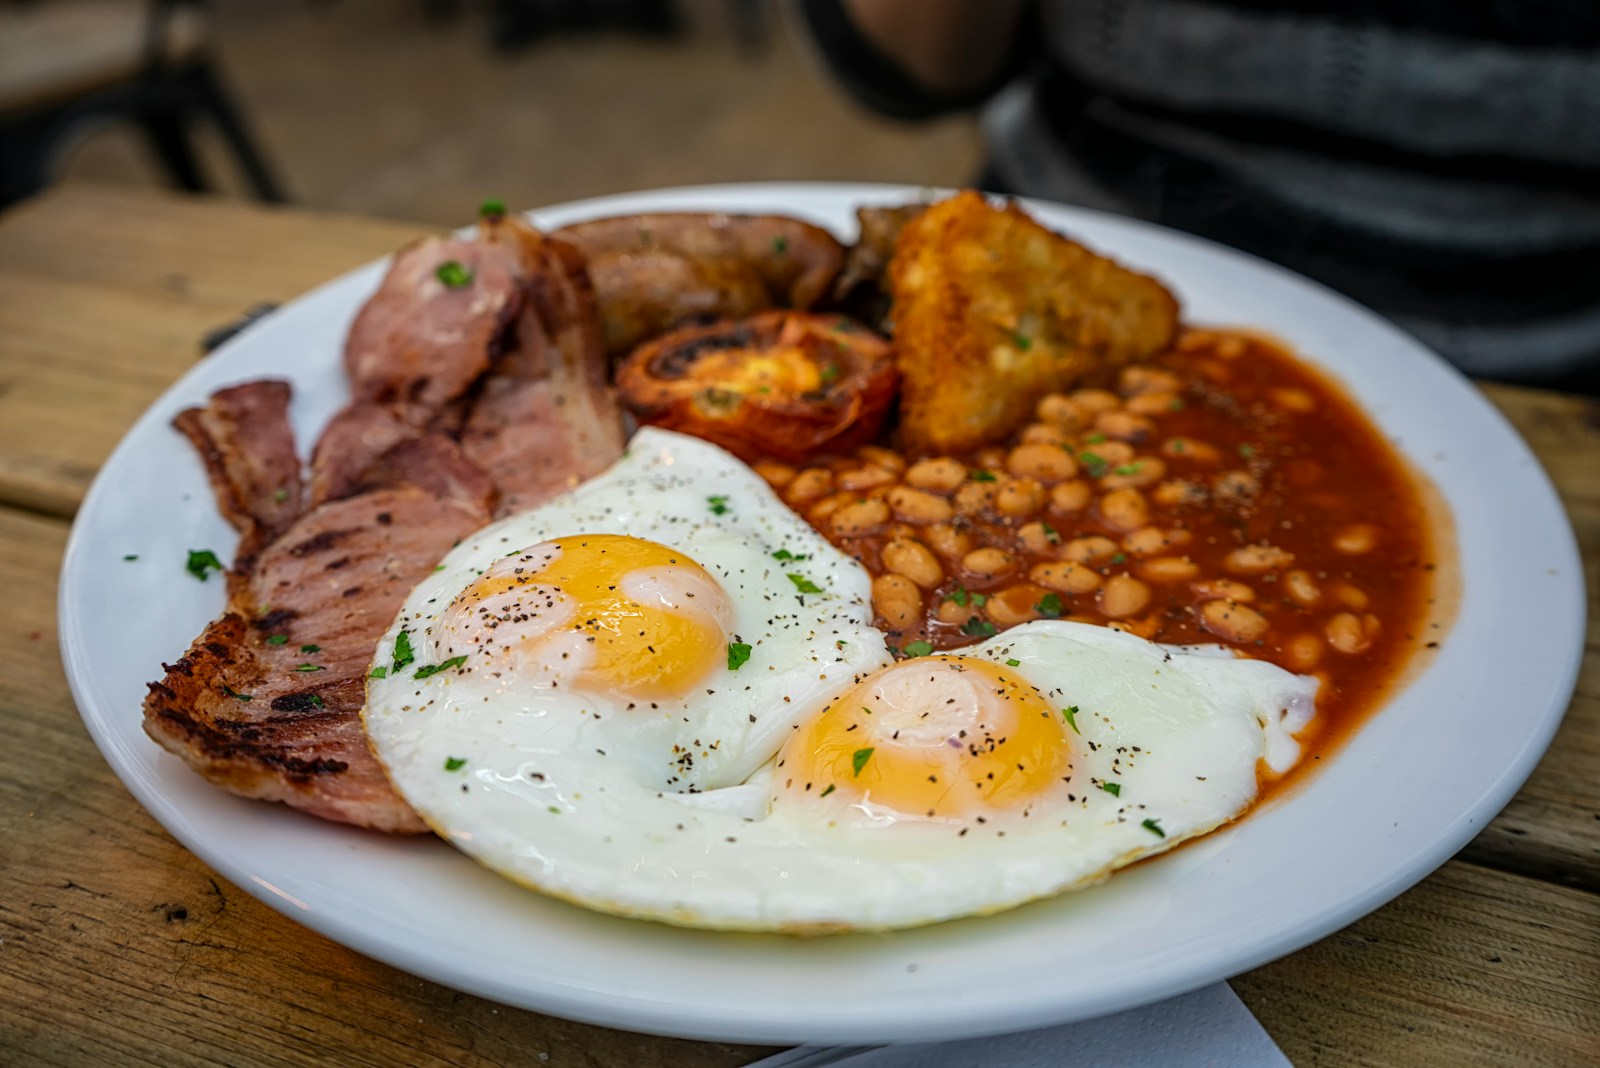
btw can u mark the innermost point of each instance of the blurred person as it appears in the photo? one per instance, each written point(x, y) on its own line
point(1438, 160)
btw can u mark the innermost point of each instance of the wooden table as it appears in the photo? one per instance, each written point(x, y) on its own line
point(118, 946)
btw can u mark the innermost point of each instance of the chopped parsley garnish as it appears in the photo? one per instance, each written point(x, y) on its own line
point(1154, 828)
point(235, 694)
point(860, 758)
point(278, 639)
point(1176, 405)
point(980, 475)
point(454, 763)
point(780, 244)
point(829, 374)
point(1179, 445)
point(803, 584)
point(379, 672)
point(1112, 788)
point(1051, 534)
point(738, 653)
point(1119, 558)
point(402, 650)
point(1095, 463)
point(978, 628)
point(1094, 439)
point(1070, 714)
point(309, 667)
point(1013, 663)
point(961, 596)
point(1024, 343)
point(866, 710)
point(201, 563)
point(444, 665)
point(1247, 451)
point(316, 701)
point(453, 274)
point(786, 555)
point(831, 788)
point(280, 495)
point(554, 809)
point(1126, 469)
point(718, 505)
point(130, 556)
point(917, 648)
point(438, 567)
point(1050, 605)
point(311, 648)
point(492, 207)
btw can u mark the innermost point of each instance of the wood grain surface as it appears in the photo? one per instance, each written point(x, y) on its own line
point(117, 946)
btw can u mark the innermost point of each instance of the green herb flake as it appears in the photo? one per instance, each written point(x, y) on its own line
point(981, 475)
point(1050, 605)
point(829, 374)
point(317, 701)
point(236, 695)
point(860, 758)
point(280, 495)
point(278, 639)
point(718, 505)
point(492, 208)
point(831, 788)
point(1154, 828)
point(379, 672)
point(311, 648)
point(201, 563)
point(1179, 445)
point(1013, 663)
point(917, 648)
point(803, 584)
point(453, 274)
point(959, 596)
point(402, 650)
point(444, 665)
point(1070, 714)
point(738, 654)
point(1119, 558)
point(979, 600)
point(1094, 439)
point(438, 567)
point(978, 628)
point(1095, 463)
point(454, 763)
point(1023, 342)
point(304, 668)
point(866, 710)
point(780, 244)
point(786, 556)
point(1247, 451)
point(555, 809)
point(1051, 534)
point(130, 556)
point(1126, 469)
point(1112, 788)
point(1175, 406)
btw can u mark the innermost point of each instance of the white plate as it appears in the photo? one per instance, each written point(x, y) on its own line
point(1419, 780)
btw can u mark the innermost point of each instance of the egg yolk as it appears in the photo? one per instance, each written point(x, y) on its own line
point(606, 611)
point(932, 737)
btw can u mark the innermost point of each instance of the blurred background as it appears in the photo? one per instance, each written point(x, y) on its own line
point(418, 109)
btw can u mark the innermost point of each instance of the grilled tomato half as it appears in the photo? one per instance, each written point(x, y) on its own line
point(781, 384)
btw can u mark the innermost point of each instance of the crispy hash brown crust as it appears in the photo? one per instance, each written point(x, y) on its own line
point(993, 310)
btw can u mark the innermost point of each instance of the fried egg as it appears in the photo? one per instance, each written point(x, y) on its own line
point(660, 696)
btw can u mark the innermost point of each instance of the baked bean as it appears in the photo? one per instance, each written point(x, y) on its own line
point(1356, 538)
point(942, 475)
point(860, 518)
point(1236, 486)
point(864, 478)
point(1254, 559)
point(1106, 453)
point(1047, 463)
point(1221, 589)
point(1123, 596)
point(1095, 401)
point(1302, 652)
point(914, 560)
point(1192, 340)
point(1231, 348)
point(1089, 548)
point(1177, 492)
point(1147, 541)
point(1137, 473)
point(810, 484)
point(1351, 634)
point(1124, 426)
point(948, 541)
point(1169, 569)
point(1302, 588)
point(988, 563)
point(975, 498)
point(1232, 621)
point(900, 530)
point(1019, 498)
point(919, 506)
point(897, 600)
point(1190, 449)
point(1125, 509)
point(1154, 403)
point(1059, 410)
point(1351, 596)
point(887, 459)
point(954, 614)
point(1293, 400)
point(1065, 577)
point(991, 459)
point(825, 508)
point(777, 475)
point(1043, 434)
point(1069, 497)
point(1014, 604)
point(1039, 539)
point(1135, 381)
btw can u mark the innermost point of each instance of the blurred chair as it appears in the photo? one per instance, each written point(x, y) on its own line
point(69, 66)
